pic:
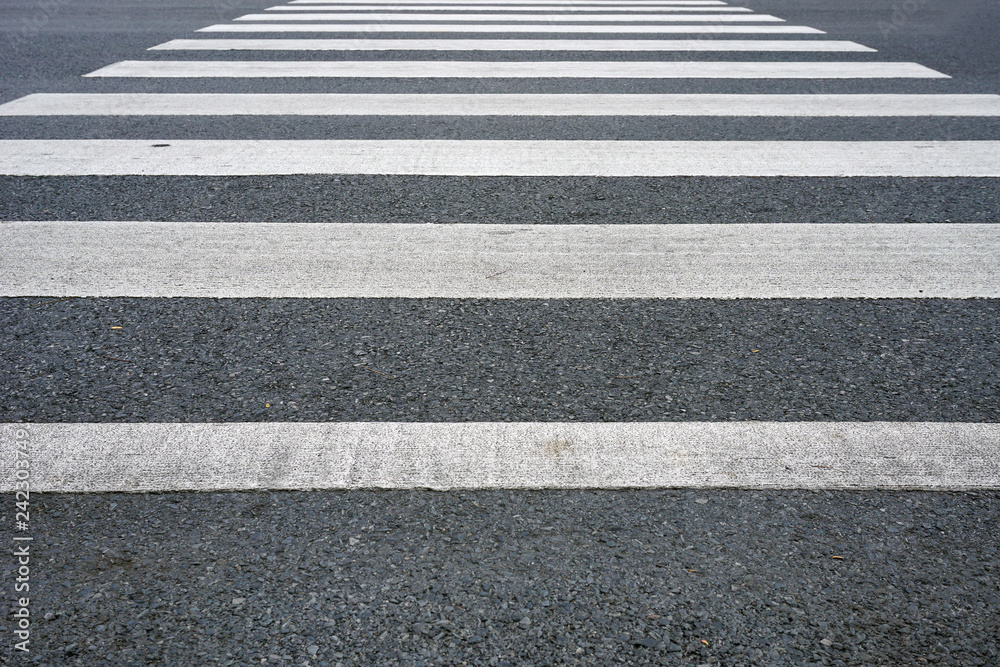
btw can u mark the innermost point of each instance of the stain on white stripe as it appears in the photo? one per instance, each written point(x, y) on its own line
point(717, 29)
point(540, 18)
point(331, 104)
point(766, 45)
point(149, 457)
point(512, 69)
point(498, 8)
point(341, 260)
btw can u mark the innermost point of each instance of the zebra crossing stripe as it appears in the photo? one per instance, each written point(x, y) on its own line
point(498, 8)
point(499, 261)
point(528, 4)
point(540, 18)
point(715, 29)
point(85, 157)
point(332, 104)
point(148, 457)
point(516, 69)
point(91, 157)
point(775, 45)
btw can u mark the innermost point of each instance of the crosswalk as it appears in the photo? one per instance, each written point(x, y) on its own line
point(494, 70)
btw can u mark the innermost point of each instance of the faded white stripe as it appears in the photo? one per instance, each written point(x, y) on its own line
point(320, 104)
point(341, 260)
point(355, 455)
point(777, 45)
point(515, 69)
point(531, 18)
point(717, 29)
point(497, 8)
point(83, 157)
point(38, 157)
point(527, 4)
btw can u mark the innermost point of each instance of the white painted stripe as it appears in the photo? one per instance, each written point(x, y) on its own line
point(320, 104)
point(526, 4)
point(149, 457)
point(514, 69)
point(93, 157)
point(498, 8)
point(533, 18)
point(497, 261)
point(719, 29)
point(767, 45)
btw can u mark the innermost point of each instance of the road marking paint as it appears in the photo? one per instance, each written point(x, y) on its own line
point(498, 8)
point(323, 104)
point(45, 157)
point(92, 157)
point(525, 4)
point(515, 69)
point(716, 29)
point(501, 261)
point(147, 457)
point(539, 18)
point(776, 45)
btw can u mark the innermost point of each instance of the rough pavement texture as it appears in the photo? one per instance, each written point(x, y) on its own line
point(519, 200)
point(600, 578)
point(517, 578)
point(193, 360)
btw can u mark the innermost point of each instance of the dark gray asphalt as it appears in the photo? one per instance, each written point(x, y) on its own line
point(526, 578)
point(536, 200)
point(193, 360)
point(624, 129)
point(523, 578)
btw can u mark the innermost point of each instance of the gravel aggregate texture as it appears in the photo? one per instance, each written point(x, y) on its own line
point(500, 360)
point(517, 578)
point(508, 128)
point(518, 200)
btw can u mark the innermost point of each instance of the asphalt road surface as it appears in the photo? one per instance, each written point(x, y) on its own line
point(642, 332)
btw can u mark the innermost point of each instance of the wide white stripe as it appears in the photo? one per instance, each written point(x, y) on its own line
point(498, 8)
point(323, 104)
point(717, 29)
point(147, 457)
point(531, 18)
point(528, 4)
point(93, 157)
point(382, 260)
point(86, 157)
point(514, 69)
point(786, 45)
